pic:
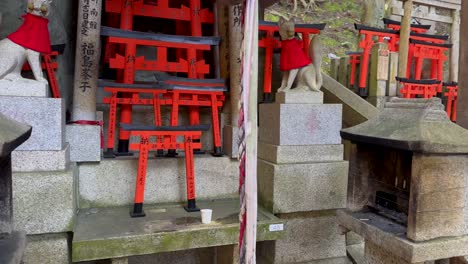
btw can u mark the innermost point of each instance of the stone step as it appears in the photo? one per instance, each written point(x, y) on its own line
point(112, 181)
point(105, 233)
point(356, 253)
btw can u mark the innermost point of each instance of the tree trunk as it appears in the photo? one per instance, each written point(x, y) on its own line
point(374, 11)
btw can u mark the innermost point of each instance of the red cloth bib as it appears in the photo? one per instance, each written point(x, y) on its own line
point(292, 55)
point(33, 34)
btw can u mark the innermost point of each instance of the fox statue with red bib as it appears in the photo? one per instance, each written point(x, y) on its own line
point(299, 67)
point(27, 43)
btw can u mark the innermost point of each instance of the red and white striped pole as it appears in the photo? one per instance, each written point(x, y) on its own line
point(248, 134)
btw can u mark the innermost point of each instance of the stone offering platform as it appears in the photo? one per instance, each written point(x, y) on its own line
point(108, 233)
point(387, 234)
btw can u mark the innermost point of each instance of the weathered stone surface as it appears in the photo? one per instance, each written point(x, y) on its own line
point(12, 134)
point(379, 255)
point(309, 237)
point(305, 187)
point(436, 206)
point(356, 253)
point(231, 141)
point(165, 180)
point(299, 154)
point(353, 239)
point(193, 256)
point(85, 143)
point(45, 115)
point(299, 97)
point(418, 125)
point(166, 228)
point(44, 202)
point(26, 87)
point(119, 261)
point(355, 109)
point(12, 248)
point(49, 160)
point(47, 249)
point(6, 196)
point(370, 225)
point(300, 124)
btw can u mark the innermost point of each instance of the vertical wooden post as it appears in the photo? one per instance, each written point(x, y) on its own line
point(462, 109)
point(334, 66)
point(455, 51)
point(393, 70)
point(343, 71)
point(378, 74)
point(404, 37)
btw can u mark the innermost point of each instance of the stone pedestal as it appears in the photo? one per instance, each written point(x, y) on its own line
point(85, 143)
point(28, 88)
point(302, 177)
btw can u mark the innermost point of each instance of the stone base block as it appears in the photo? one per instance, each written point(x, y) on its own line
point(305, 187)
point(377, 255)
point(299, 97)
point(165, 181)
point(43, 202)
point(353, 239)
point(47, 249)
point(35, 161)
point(300, 124)
point(378, 101)
point(26, 87)
point(85, 143)
point(310, 238)
point(12, 248)
point(231, 141)
point(45, 115)
point(299, 154)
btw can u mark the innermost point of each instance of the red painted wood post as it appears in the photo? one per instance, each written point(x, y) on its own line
point(141, 177)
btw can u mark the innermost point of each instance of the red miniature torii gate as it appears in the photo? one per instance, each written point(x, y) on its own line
point(368, 42)
point(269, 42)
point(144, 145)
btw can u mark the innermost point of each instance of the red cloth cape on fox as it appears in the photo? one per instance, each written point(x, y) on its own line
point(292, 55)
point(33, 34)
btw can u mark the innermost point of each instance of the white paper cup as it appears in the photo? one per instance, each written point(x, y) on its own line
point(206, 215)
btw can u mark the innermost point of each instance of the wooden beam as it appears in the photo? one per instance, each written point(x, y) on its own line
point(437, 3)
point(425, 16)
point(455, 51)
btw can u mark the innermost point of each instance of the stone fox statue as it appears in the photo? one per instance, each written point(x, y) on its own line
point(296, 65)
point(31, 39)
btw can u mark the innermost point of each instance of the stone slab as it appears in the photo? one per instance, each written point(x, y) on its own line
point(231, 141)
point(191, 256)
point(300, 124)
point(299, 154)
point(12, 134)
point(6, 196)
point(85, 143)
point(380, 255)
point(166, 228)
point(26, 87)
point(165, 180)
point(44, 202)
point(299, 97)
point(309, 237)
point(356, 253)
point(12, 248)
point(304, 187)
point(391, 236)
point(47, 249)
point(49, 160)
point(45, 115)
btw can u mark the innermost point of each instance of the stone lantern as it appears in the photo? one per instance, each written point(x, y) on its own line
point(12, 243)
